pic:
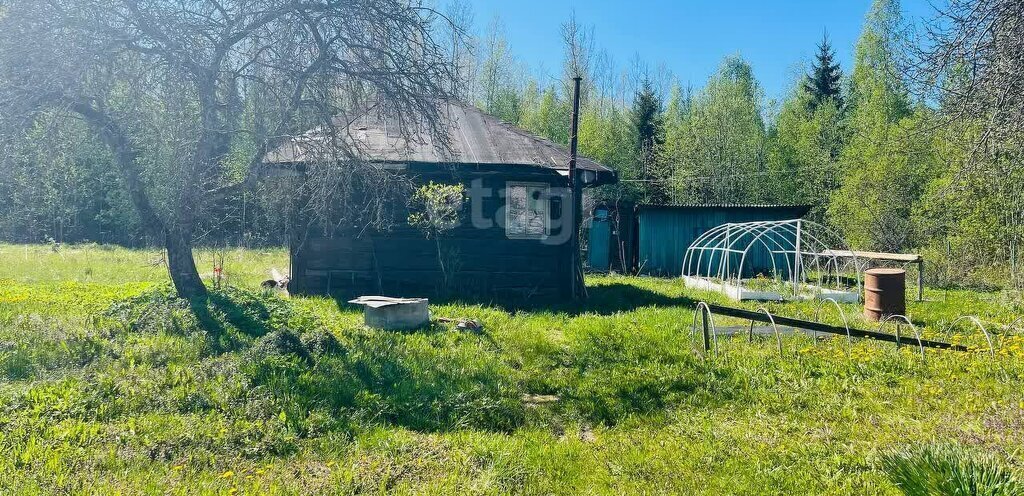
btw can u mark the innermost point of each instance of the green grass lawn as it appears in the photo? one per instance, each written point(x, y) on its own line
point(109, 385)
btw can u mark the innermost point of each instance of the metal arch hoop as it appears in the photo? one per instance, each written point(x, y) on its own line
point(715, 235)
point(704, 311)
point(842, 314)
point(824, 243)
point(978, 324)
point(792, 239)
point(769, 228)
point(1013, 324)
point(724, 239)
point(778, 335)
point(906, 320)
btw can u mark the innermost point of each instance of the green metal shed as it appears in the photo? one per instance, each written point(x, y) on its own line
point(666, 231)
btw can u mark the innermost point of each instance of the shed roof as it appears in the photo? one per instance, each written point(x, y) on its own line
point(721, 205)
point(475, 138)
point(800, 209)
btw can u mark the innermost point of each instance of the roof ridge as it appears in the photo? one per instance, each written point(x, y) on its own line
point(516, 129)
point(476, 137)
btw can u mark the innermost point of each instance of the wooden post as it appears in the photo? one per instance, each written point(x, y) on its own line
point(576, 268)
point(724, 274)
point(920, 279)
point(705, 317)
point(797, 259)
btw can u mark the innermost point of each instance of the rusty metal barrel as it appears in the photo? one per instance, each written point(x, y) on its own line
point(885, 293)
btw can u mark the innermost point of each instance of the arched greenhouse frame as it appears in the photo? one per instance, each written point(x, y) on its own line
point(774, 260)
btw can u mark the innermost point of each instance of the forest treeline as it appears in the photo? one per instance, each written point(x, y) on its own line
point(883, 156)
point(880, 155)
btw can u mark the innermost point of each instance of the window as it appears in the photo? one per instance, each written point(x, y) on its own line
point(527, 210)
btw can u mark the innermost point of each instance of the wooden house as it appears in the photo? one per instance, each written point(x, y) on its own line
point(512, 243)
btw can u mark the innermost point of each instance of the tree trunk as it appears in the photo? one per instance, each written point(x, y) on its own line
point(182, 265)
point(440, 262)
point(177, 240)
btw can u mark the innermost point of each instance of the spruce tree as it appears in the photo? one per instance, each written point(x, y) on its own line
point(647, 119)
point(823, 81)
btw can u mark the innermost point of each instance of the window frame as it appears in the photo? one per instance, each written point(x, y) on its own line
point(545, 197)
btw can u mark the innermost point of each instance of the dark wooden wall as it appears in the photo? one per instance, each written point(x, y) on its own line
point(482, 264)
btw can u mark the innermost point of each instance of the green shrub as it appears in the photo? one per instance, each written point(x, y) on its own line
point(321, 342)
point(155, 310)
point(948, 470)
point(281, 343)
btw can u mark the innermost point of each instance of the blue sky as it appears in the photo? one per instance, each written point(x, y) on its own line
point(690, 37)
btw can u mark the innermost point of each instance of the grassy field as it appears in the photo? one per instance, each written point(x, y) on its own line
point(109, 385)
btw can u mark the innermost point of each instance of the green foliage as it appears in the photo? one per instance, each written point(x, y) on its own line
point(890, 173)
point(721, 148)
point(805, 146)
point(283, 344)
point(875, 71)
point(58, 184)
point(498, 93)
point(972, 222)
point(648, 128)
point(321, 343)
point(551, 116)
point(606, 136)
point(646, 117)
point(881, 178)
point(948, 470)
point(888, 159)
point(823, 83)
point(437, 208)
point(887, 167)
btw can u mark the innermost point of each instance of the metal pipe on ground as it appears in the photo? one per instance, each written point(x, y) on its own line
point(831, 329)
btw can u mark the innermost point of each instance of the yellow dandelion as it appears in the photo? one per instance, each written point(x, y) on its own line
point(227, 475)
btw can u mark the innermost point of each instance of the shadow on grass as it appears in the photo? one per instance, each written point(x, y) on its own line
point(603, 299)
point(244, 312)
point(607, 299)
point(287, 366)
point(427, 381)
point(430, 379)
point(442, 379)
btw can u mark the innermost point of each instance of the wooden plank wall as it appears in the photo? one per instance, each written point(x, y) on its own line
point(483, 264)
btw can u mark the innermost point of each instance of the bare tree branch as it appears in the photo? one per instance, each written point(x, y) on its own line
point(190, 96)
